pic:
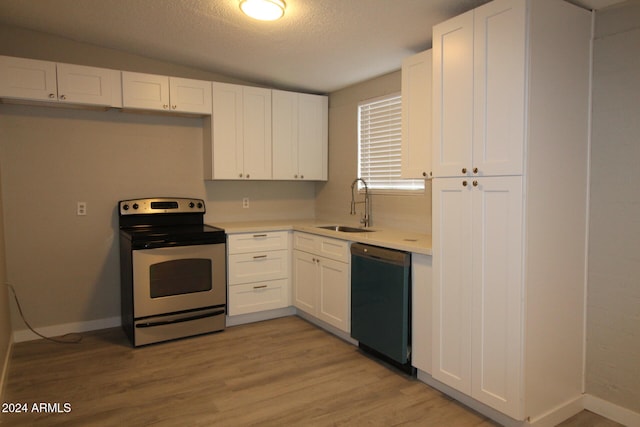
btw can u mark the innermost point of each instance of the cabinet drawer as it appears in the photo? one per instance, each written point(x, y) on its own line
point(324, 246)
point(256, 242)
point(258, 267)
point(335, 249)
point(253, 297)
point(306, 242)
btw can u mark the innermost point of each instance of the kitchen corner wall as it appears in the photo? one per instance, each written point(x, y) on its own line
point(333, 198)
point(5, 322)
point(613, 307)
point(65, 267)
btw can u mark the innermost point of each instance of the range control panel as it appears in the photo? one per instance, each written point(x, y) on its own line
point(161, 205)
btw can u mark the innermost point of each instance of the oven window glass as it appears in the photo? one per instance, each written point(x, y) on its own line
point(180, 276)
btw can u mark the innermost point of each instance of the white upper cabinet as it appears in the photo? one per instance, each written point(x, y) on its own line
point(416, 115)
point(189, 95)
point(300, 136)
point(453, 96)
point(238, 134)
point(479, 85)
point(34, 80)
point(156, 92)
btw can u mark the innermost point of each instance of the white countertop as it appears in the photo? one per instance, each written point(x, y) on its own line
point(385, 237)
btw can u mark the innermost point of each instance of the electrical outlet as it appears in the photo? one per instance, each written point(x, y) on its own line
point(245, 202)
point(81, 208)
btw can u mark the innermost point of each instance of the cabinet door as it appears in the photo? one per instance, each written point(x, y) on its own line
point(190, 96)
point(145, 91)
point(28, 79)
point(452, 261)
point(453, 96)
point(334, 299)
point(285, 134)
point(499, 87)
point(305, 281)
point(256, 108)
point(497, 315)
point(89, 85)
point(227, 132)
point(312, 137)
point(416, 115)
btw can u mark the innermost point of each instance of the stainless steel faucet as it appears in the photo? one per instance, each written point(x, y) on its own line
point(366, 217)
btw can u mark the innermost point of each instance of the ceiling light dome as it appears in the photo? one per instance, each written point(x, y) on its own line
point(264, 10)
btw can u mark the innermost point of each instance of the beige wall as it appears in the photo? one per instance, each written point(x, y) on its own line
point(5, 323)
point(613, 308)
point(65, 267)
point(411, 213)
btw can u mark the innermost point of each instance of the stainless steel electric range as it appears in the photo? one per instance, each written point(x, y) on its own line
point(172, 269)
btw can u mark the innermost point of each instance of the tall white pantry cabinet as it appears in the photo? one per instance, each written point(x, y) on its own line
point(510, 165)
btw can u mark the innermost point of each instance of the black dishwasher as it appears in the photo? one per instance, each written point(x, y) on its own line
point(381, 303)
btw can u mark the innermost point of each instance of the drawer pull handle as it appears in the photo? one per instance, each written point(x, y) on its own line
point(259, 256)
point(260, 287)
point(259, 235)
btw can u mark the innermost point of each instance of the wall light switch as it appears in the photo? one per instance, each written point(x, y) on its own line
point(81, 208)
point(245, 202)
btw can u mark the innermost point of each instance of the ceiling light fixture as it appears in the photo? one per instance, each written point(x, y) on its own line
point(264, 10)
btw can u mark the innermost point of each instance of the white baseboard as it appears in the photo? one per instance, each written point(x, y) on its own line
point(612, 411)
point(345, 336)
point(560, 413)
point(22, 335)
point(259, 316)
point(555, 416)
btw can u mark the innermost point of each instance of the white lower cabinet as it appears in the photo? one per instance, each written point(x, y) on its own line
point(322, 279)
point(258, 272)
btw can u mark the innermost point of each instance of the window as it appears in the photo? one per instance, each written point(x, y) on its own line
point(379, 145)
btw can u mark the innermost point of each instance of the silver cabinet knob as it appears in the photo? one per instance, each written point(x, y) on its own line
point(301, 176)
point(464, 183)
point(173, 107)
point(475, 183)
point(240, 175)
point(475, 170)
point(63, 97)
point(165, 106)
point(247, 176)
point(52, 95)
point(464, 170)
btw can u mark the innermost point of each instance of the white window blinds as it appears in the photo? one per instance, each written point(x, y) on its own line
point(379, 145)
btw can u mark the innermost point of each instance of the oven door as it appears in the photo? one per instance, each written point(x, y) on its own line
point(178, 278)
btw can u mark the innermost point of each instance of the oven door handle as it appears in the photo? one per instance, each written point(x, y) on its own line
point(155, 244)
point(180, 320)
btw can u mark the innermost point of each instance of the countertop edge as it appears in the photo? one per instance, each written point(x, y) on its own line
point(418, 243)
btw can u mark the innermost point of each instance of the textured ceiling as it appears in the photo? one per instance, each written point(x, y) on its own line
point(319, 46)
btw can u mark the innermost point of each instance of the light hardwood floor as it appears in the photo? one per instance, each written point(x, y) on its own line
point(280, 372)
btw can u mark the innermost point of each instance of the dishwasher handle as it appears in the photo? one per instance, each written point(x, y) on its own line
point(387, 256)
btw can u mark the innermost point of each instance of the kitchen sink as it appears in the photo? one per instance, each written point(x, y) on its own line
point(345, 228)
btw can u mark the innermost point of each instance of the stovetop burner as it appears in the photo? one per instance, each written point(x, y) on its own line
point(163, 221)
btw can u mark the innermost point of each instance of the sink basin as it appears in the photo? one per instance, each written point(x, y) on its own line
point(345, 228)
